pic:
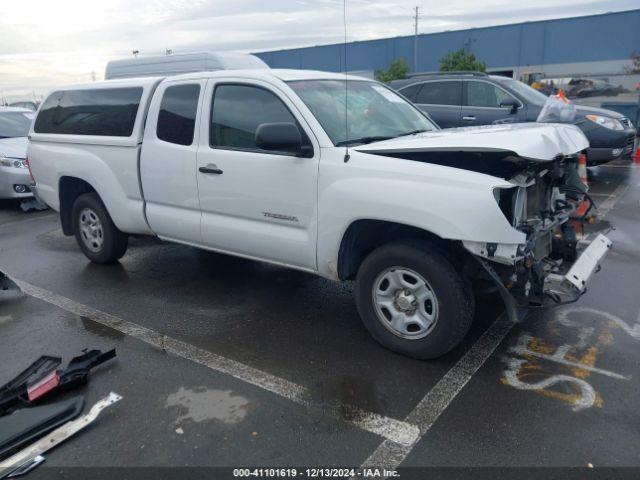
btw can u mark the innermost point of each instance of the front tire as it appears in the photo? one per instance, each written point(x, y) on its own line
point(96, 234)
point(413, 301)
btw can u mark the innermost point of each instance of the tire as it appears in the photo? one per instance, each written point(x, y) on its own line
point(98, 237)
point(449, 300)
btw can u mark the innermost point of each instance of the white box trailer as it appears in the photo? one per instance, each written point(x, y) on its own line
point(176, 64)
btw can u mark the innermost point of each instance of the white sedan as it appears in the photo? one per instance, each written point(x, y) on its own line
point(14, 172)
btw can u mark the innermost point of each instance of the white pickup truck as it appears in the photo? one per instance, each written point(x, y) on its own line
point(270, 165)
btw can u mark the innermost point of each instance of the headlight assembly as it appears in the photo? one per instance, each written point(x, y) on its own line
point(606, 122)
point(13, 162)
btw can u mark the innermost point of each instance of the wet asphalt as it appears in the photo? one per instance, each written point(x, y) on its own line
point(560, 390)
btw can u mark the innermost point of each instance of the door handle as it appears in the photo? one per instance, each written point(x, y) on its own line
point(469, 118)
point(210, 169)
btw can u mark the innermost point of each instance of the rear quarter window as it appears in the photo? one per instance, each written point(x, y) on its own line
point(103, 112)
point(441, 93)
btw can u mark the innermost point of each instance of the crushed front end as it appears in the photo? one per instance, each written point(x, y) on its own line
point(547, 269)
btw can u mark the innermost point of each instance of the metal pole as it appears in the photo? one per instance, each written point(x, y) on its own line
point(415, 41)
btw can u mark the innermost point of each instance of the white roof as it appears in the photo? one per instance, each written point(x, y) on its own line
point(179, 63)
point(257, 74)
point(285, 75)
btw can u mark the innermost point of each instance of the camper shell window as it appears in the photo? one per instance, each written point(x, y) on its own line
point(107, 112)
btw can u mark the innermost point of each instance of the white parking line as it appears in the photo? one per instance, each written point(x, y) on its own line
point(395, 431)
point(389, 454)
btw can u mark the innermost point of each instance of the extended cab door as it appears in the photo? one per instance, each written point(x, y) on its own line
point(481, 104)
point(442, 100)
point(168, 161)
point(254, 202)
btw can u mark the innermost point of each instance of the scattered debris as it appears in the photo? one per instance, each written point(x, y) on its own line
point(76, 373)
point(28, 424)
point(14, 392)
point(42, 378)
point(179, 431)
point(8, 288)
point(30, 457)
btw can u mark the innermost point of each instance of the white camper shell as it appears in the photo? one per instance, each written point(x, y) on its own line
point(176, 64)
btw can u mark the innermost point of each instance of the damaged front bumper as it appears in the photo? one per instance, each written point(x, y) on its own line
point(547, 283)
point(574, 283)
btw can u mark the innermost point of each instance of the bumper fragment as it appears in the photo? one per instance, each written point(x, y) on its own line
point(574, 282)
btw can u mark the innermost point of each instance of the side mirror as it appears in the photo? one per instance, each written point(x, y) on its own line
point(279, 137)
point(510, 103)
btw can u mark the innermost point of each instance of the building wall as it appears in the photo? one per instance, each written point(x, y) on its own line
point(580, 40)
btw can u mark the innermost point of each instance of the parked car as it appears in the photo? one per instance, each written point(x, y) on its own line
point(14, 175)
point(469, 99)
point(261, 164)
point(28, 104)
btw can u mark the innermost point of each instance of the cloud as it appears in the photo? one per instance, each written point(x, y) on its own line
point(45, 43)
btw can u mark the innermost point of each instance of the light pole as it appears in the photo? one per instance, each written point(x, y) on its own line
point(415, 40)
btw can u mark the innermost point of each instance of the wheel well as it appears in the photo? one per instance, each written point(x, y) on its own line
point(364, 236)
point(69, 189)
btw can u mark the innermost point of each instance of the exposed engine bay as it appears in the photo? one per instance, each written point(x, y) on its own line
point(543, 198)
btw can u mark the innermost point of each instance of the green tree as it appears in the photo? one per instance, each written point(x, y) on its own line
point(460, 60)
point(635, 63)
point(398, 69)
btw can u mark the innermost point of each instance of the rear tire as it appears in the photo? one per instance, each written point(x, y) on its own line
point(96, 234)
point(413, 301)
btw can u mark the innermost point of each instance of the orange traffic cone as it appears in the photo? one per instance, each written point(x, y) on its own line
point(582, 171)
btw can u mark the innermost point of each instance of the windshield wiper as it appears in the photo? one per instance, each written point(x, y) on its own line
point(363, 140)
point(414, 132)
point(378, 138)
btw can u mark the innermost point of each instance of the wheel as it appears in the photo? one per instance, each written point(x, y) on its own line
point(413, 301)
point(98, 237)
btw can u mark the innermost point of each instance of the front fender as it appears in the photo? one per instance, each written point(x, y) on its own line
point(451, 203)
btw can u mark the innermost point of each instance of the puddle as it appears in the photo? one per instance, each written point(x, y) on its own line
point(101, 330)
point(201, 404)
point(55, 240)
point(337, 397)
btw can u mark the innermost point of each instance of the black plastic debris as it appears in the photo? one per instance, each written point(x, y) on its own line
point(14, 393)
point(77, 372)
point(42, 379)
point(8, 287)
point(27, 424)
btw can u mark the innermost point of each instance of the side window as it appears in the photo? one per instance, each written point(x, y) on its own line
point(177, 117)
point(238, 110)
point(411, 92)
point(483, 94)
point(440, 93)
point(104, 112)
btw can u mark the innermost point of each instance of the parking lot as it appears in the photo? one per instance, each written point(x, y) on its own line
point(223, 361)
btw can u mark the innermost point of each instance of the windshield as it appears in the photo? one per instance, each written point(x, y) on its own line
point(530, 95)
point(15, 124)
point(374, 111)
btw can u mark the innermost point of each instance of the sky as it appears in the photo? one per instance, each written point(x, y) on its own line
point(44, 43)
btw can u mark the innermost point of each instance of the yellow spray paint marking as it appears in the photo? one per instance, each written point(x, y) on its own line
point(566, 366)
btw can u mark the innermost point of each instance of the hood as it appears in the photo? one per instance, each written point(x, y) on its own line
point(582, 110)
point(533, 141)
point(15, 147)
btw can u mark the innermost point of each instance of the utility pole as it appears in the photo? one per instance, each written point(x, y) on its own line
point(415, 40)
